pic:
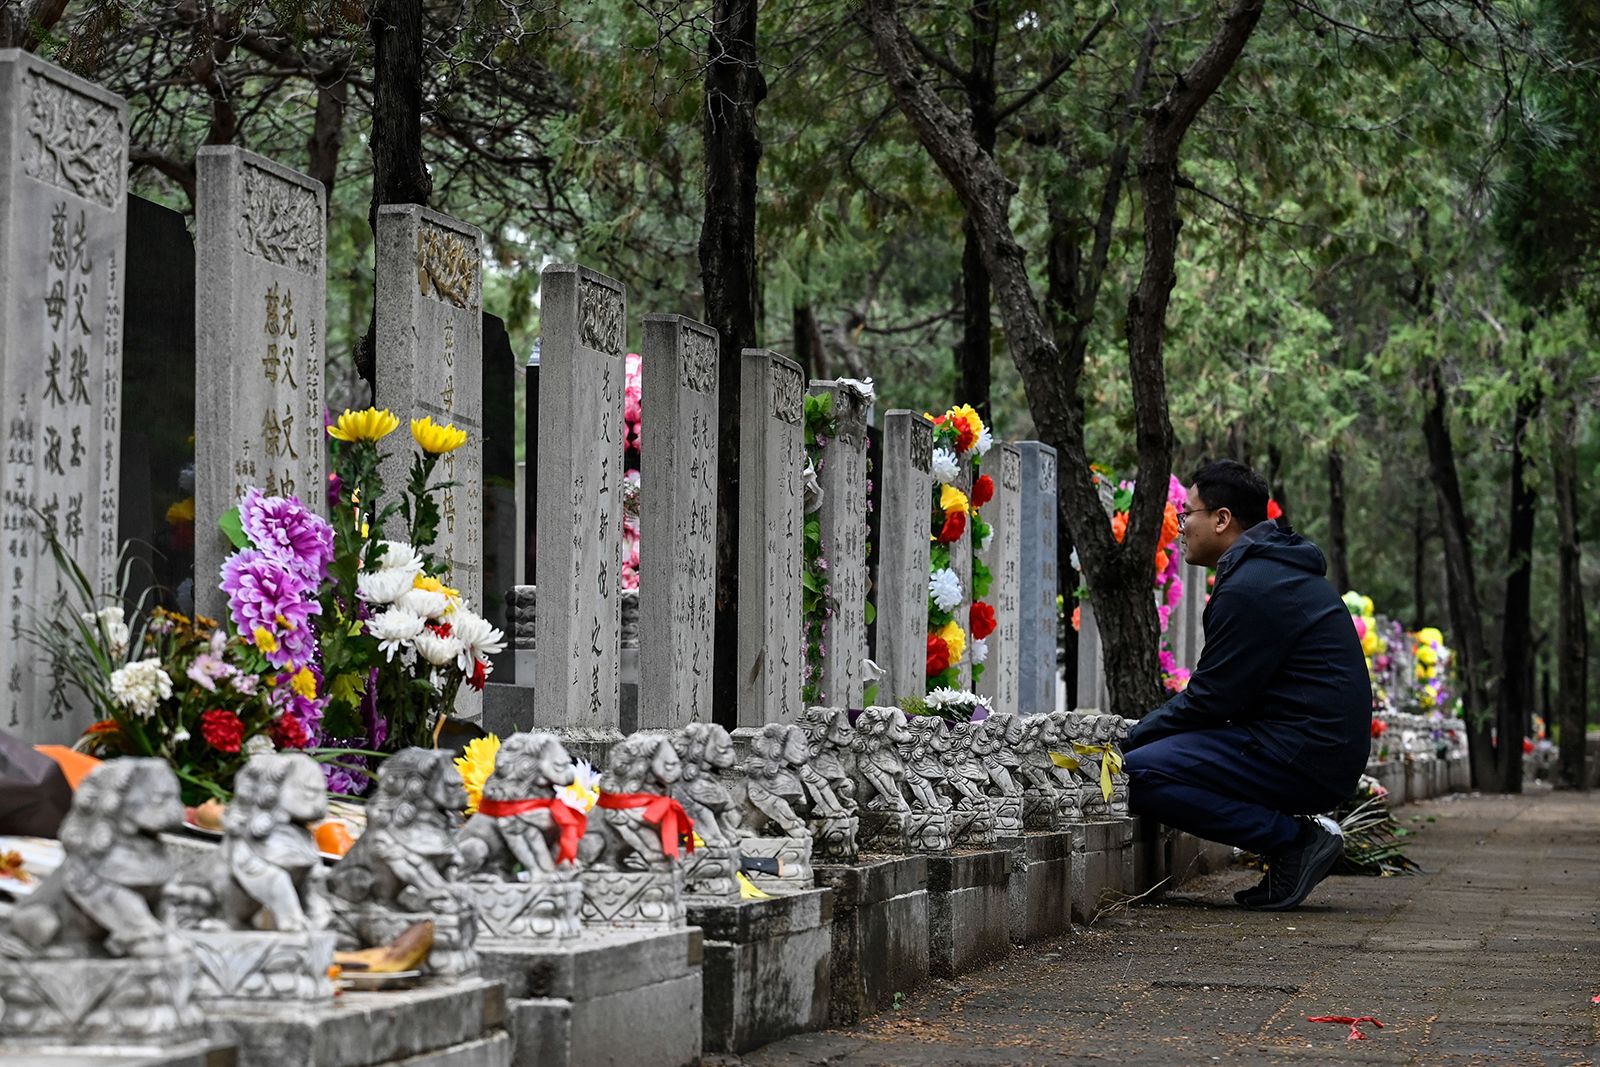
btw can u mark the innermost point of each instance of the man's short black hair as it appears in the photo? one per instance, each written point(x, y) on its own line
point(1227, 483)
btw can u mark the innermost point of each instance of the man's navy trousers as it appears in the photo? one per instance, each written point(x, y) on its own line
point(1220, 784)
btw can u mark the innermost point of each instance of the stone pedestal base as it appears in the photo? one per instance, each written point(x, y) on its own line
point(1459, 774)
point(930, 831)
point(452, 1024)
point(156, 1054)
point(973, 827)
point(542, 910)
point(1040, 890)
point(708, 874)
point(1102, 865)
point(454, 936)
point(248, 967)
point(1092, 802)
point(834, 838)
point(880, 933)
point(633, 899)
point(1007, 816)
point(767, 968)
point(1054, 811)
point(99, 1001)
point(969, 911)
point(624, 997)
point(883, 831)
point(794, 853)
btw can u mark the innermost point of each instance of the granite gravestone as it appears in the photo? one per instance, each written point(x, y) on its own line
point(1188, 628)
point(63, 230)
point(1036, 647)
point(501, 512)
point(579, 507)
point(771, 518)
point(678, 522)
point(843, 519)
point(429, 313)
point(1004, 514)
point(1091, 661)
point(260, 276)
point(906, 483)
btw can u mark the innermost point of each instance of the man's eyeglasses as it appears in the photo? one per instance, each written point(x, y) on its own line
point(1183, 516)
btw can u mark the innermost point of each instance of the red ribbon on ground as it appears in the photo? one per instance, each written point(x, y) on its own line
point(660, 811)
point(1352, 1021)
point(571, 821)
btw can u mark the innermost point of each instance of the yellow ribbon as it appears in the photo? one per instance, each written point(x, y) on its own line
point(1110, 763)
point(1066, 762)
point(748, 890)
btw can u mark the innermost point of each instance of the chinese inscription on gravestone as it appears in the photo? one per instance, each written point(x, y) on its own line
point(902, 593)
point(844, 542)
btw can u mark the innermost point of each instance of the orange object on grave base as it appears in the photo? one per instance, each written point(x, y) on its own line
point(75, 766)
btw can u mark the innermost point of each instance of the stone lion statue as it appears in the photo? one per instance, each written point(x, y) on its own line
point(923, 754)
point(267, 875)
point(705, 751)
point(407, 856)
point(832, 740)
point(517, 821)
point(639, 822)
point(1005, 731)
point(879, 768)
point(99, 902)
point(970, 750)
point(772, 783)
point(1038, 771)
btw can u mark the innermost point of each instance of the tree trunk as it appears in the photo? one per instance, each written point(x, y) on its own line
point(399, 175)
point(327, 132)
point(1119, 575)
point(1338, 546)
point(23, 24)
point(734, 88)
point(1419, 562)
point(977, 330)
point(1466, 618)
point(1516, 619)
point(1572, 628)
point(808, 346)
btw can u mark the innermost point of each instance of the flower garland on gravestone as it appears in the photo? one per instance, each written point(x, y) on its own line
point(959, 436)
point(817, 603)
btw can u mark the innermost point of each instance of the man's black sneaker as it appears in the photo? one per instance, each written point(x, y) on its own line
point(1295, 872)
point(1260, 892)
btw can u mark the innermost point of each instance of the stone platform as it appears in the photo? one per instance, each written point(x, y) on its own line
point(767, 968)
point(1040, 889)
point(969, 910)
point(191, 1054)
point(629, 998)
point(1102, 865)
point(880, 933)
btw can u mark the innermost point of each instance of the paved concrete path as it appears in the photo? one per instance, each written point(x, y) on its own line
point(1489, 957)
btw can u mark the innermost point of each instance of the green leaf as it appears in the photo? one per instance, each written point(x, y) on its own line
point(872, 613)
point(348, 687)
point(232, 525)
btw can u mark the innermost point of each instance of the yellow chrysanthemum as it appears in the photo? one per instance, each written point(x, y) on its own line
point(1430, 635)
point(368, 425)
point(476, 763)
point(955, 639)
point(437, 439)
point(181, 513)
point(264, 640)
point(304, 683)
point(428, 583)
point(952, 499)
point(966, 411)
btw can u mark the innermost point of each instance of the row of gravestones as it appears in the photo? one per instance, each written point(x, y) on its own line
point(258, 285)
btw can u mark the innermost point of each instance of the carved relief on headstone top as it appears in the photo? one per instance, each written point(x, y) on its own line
point(449, 264)
point(279, 221)
point(74, 141)
point(600, 315)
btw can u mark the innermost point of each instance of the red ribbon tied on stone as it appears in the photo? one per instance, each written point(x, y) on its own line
point(1352, 1021)
point(659, 811)
point(569, 819)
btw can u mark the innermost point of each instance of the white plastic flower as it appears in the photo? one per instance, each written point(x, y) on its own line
point(258, 745)
point(111, 624)
point(984, 443)
point(399, 556)
point(945, 588)
point(436, 648)
point(946, 697)
point(977, 650)
point(423, 602)
point(585, 788)
point(945, 466)
point(383, 586)
point(141, 686)
point(394, 629)
point(479, 640)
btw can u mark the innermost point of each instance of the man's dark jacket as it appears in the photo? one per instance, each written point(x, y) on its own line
point(1281, 659)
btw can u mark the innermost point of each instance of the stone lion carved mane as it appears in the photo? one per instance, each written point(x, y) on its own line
point(99, 902)
point(620, 839)
point(527, 766)
point(772, 782)
point(923, 753)
point(879, 766)
point(267, 874)
point(706, 750)
point(407, 856)
point(832, 742)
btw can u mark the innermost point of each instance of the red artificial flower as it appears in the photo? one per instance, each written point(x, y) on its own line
point(955, 524)
point(222, 729)
point(1273, 510)
point(1527, 747)
point(1119, 526)
point(290, 732)
point(1378, 727)
point(479, 676)
point(982, 491)
point(966, 436)
point(980, 620)
point(440, 628)
point(938, 655)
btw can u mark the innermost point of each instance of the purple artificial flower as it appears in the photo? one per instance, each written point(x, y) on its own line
point(377, 725)
point(340, 780)
point(306, 711)
point(335, 489)
point(284, 530)
point(271, 603)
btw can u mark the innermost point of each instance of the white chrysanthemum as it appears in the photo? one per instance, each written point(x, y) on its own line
point(977, 650)
point(383, 587)
point(110, 624)
point(479, 640)
point(423, 602)
point(585, 788)
point(259, 745)
point(945, 588)
point(395, 629)
point(436, 648)
point(141, 686)
point(399, 556)
point(945, 697)
point(984, 443)
point(945, 466)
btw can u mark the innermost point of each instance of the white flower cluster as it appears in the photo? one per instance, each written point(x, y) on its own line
point(141, 687)
point(420, 621)
point(944, 586)
point(945, 697)
point(945, 466)
point(110, 624)
point(977, 650)
point(984, 443)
